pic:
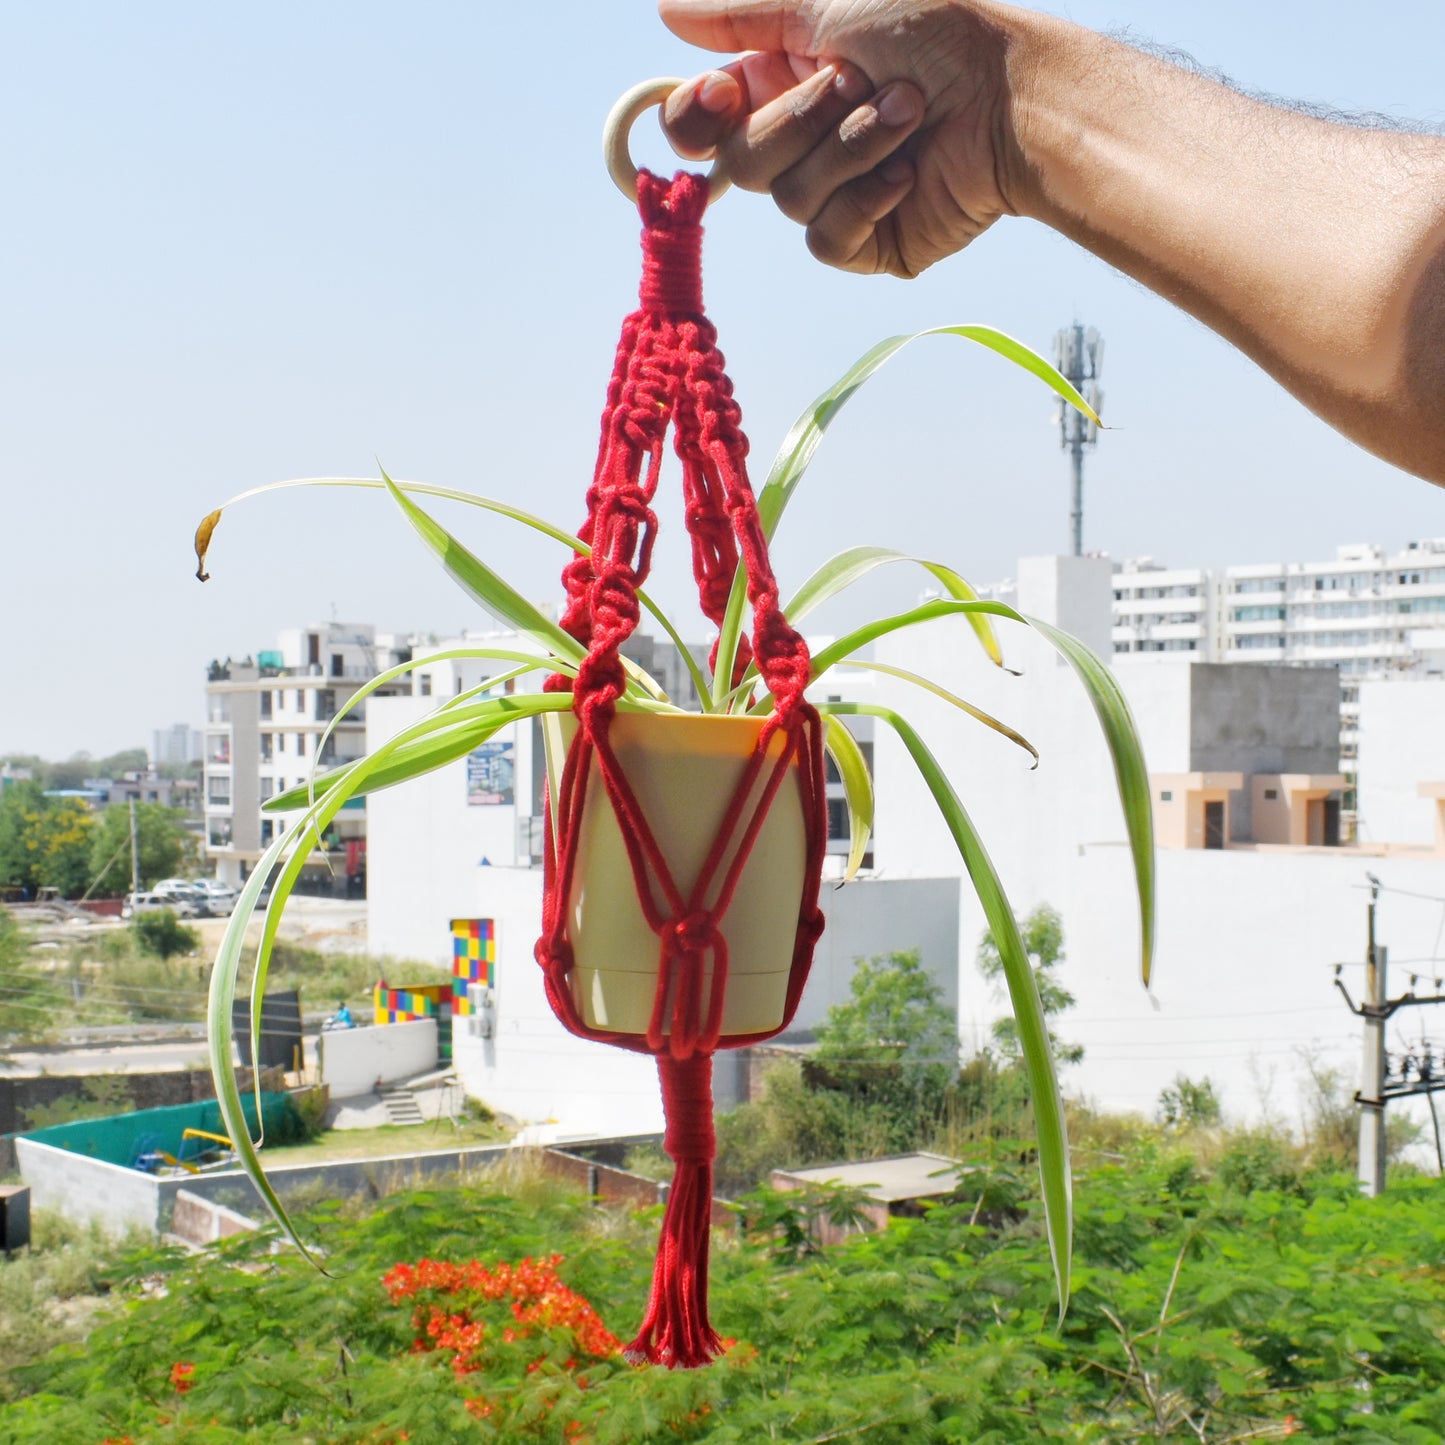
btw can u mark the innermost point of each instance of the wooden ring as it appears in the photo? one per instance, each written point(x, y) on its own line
point(616, 129)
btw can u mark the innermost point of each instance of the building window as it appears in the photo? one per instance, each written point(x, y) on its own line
point(267, 831)
point(300, 745)
point(266, 704)
point(336, 664)
point(1166, 796)
point(266, 747)
point(301, 702)
point(1271, 795)
point(423, 684)
point(268, 787)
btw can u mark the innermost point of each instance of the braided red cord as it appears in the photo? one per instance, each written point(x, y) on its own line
point(669, 372)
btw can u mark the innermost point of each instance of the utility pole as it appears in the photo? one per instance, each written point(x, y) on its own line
point(1384, 1078)
point(1372, 1074)
point(1079, 354)
point(134, 853)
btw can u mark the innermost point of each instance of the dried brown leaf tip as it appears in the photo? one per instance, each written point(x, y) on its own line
point(203, 543)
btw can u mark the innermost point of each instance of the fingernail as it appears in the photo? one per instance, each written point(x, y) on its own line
point(850, 82)
point(896, 105)
point(716, 92)
point(896, 169)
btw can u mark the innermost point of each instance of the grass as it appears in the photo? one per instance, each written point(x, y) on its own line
point(341, 1144)
point(120, 983)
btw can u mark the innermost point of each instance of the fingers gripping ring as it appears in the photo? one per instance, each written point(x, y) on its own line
point(618, 125)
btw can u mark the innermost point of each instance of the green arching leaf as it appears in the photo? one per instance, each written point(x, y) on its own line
point(1122, 737)
point(483, 585)
point(1033, 1033)
point(987, 719)
point(439, 738)
point(843, 648)
point(857, 790)
point(290, 853)
point(727, 638)
point(841, 571)
point(806, 434)
point(221, 1037)
point(472, 499)
point(392, 673)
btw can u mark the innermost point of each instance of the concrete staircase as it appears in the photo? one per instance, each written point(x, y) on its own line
point(401, 1105)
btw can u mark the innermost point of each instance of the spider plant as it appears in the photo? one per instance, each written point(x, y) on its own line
point(459, 724)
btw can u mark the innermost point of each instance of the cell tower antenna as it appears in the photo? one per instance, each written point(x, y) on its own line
point(1079, 354)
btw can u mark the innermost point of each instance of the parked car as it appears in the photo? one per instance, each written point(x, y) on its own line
point(209, 896)
point(220, 897)
point(136, 903)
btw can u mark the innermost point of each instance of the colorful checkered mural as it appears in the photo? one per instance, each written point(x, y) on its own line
point(474, 959)
point(404, 1005)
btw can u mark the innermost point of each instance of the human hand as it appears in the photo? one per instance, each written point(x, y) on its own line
point(882, 128)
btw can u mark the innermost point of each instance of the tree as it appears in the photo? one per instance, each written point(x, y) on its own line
point(44, 842)
point(162, 846)
point(1187, 1104)
point(893, 1043)
point(1043, 936)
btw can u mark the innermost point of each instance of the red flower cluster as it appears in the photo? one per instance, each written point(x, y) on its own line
point(181, 1374)
point(539, 1301)
point(446, 1295)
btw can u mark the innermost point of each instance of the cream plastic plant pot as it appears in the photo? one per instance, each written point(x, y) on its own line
point(684, 768)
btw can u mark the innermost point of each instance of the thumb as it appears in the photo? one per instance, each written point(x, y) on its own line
point(733, 25)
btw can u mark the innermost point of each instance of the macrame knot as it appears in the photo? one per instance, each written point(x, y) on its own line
point(687, 1105)
point(632, 506)
point(693, 934)
point(671, 244)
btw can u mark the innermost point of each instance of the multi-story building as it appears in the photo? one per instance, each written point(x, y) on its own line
point(176, 746)
point(265, 719)
point(1366, 613)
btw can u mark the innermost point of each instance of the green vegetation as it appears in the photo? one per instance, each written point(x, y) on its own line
point(152, 971)
point(32, 1002)
point(163, 935)
point(62, 843)
point(389, 1139)
point(1042, 932)
point(1209, 1307)
point(50, 1292)
point(73, 772)
point(163, 847)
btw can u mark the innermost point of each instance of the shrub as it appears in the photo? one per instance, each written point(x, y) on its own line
point(163, 935)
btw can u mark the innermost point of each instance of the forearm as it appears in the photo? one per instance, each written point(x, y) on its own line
point(1319, 249)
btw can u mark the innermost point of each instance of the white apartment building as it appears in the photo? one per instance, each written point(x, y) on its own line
point(265, 717)
point(1365, 613)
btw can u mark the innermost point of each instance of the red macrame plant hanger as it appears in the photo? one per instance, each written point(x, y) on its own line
point(669, 373)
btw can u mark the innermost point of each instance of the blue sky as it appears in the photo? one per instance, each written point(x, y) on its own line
point(254, 242)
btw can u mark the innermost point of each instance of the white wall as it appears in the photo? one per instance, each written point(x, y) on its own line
point(353, 1060)
point(1244, 978)
point(86, 1189)
point(1246, 939)
point(1402, 743)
